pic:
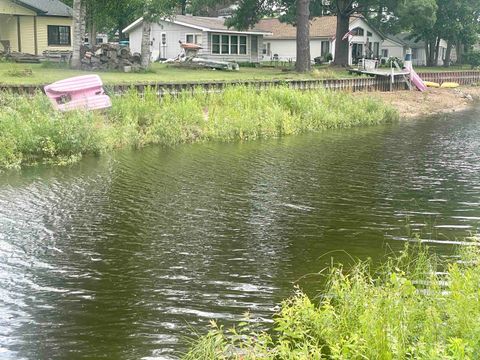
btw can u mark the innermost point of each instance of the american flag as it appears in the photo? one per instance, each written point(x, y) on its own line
point(345, 37)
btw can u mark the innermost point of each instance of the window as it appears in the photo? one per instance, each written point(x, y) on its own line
point(267, 49)
point(215, 44)
point(369, 34)
point(164, 39)
point(376, 49)
point(384, 53)
point(325, 48)
point(234, 44)
point(99, 40)
point(193, 39)
point(229, 44)
point(59, 35)
point(243, 45)
point(358, 32)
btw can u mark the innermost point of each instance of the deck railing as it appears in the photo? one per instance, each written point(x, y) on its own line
point(350, 84)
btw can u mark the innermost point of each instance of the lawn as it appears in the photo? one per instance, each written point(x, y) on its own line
point(12, 73)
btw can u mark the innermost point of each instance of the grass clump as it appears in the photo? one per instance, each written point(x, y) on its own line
point(407, 310)
point(31, 131)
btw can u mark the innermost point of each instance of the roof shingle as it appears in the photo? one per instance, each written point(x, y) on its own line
point(320, 27)
point(48, 7)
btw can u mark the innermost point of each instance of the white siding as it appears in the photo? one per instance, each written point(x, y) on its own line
point(175, 33)
point(394, 49)
point(286, 49)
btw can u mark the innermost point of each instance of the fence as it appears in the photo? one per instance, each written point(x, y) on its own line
point(351, 84)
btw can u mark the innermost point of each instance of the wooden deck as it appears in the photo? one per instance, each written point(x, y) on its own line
point(379, 72)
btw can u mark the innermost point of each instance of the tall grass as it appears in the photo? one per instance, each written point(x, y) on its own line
point(31, 131)
point(406, 310)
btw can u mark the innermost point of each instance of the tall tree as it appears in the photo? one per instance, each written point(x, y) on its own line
point(302, 63)
point(77, 33)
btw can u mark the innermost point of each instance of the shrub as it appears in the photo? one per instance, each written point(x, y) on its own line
point(413, 307)
point(473, 59)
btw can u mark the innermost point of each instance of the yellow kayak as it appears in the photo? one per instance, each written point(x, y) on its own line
point(450, 85)
point(431, 84)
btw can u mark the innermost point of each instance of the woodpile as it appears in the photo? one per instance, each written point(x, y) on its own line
point(110, 57)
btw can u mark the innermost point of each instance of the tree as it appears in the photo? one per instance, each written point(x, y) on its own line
point(77, 33)
point(302, 63)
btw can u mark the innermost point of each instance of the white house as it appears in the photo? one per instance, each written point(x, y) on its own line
point(397, 45)
point(217, 40)
point(365, 41)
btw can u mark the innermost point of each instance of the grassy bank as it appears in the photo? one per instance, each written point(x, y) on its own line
point(407, 310)
point(33, 74)
point(32, 132)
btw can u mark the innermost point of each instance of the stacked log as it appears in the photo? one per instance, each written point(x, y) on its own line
point(110, 57)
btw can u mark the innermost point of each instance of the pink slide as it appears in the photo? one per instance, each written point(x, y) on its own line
point(417, 80)
point(81, 92)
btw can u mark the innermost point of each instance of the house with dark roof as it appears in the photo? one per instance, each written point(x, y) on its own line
point(218, 42)
point(364, 39)
point(34, 26)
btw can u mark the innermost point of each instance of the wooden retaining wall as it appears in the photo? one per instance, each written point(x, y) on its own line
point(350, 85)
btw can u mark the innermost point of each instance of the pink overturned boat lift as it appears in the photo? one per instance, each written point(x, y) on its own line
point(80, 92)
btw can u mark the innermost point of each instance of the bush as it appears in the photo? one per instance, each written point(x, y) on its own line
point(473, 59)
point(413, 307)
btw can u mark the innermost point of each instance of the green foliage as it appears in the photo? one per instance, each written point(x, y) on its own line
point(407, 309)
point(473, 59)
point(31, 131)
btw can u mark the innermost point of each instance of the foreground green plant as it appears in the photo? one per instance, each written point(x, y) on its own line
point(32, 132)
point(407, 310)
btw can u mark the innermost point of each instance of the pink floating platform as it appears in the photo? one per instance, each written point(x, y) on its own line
point(80, 92)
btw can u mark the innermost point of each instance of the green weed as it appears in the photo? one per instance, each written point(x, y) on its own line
point(31, 131)
point(408, 309)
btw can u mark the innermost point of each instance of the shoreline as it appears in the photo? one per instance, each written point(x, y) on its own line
point(415, 105)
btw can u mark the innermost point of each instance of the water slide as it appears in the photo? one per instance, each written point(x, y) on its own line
point(414, 78)
point(417, 80)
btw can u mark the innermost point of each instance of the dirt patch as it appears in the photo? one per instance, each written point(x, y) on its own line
point(412, 104)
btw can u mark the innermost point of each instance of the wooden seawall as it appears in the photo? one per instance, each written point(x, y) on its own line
point(350, 84)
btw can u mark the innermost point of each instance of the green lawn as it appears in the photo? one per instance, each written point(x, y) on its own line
point(11, 73)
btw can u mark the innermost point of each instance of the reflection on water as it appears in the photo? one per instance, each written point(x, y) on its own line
point(120, 258)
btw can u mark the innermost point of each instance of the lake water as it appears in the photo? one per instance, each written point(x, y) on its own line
point(124, 256)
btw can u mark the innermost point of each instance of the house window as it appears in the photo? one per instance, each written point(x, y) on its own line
point(243, 45)
point(229, 44)
point(369, 34)
point(358, 31)
point(193, 39)
point(384, 53)
point(376, 49)
point(325, 48)
point(267, 49)
point(234, 44)
point(59, 35)
point(164, 39)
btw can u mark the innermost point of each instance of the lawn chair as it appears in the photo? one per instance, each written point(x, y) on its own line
point(81, 92)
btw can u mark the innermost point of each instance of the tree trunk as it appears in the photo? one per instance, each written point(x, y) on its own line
point(92, 34)
point(459, 53)
point(437, 51)
point(146, 53)
point(448, 54)
point(342, 47)
point(303, 36)
point(77, 33)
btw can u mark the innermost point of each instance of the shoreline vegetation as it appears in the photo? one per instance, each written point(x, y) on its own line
point(414, 306)
point(32, 132)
